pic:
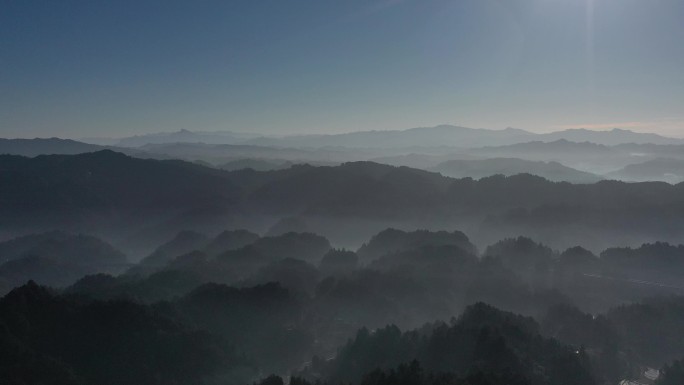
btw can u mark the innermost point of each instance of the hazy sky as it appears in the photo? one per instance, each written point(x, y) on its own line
point(115, 68)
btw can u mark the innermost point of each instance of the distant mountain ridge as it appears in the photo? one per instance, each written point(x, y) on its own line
point(463, 137)
point(46, 146)
point(185, 136)
point(554, 145)
point(612, 137)
point(437, 136)
point(585, 157)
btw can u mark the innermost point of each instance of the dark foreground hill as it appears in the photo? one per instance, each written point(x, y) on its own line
point(49, 339)
point(504, 347)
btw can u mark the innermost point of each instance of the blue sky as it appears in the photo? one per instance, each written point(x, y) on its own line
point(114, 68)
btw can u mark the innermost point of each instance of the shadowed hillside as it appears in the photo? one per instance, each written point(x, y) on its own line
point(477, 169)
point(124, 196)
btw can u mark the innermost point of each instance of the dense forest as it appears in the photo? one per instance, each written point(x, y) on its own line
point(413, 307)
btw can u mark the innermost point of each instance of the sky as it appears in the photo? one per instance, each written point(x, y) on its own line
point(95, 68)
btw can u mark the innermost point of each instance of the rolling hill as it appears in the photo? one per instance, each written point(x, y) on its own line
point(661, 169)
point(125, 195)
point(477, 169)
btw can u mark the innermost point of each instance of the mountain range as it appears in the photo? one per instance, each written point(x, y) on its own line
point(181, 136)
point(438, 136)
point(554, 160)
point(108, 192)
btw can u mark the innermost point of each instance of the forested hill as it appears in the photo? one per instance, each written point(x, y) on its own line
point(113, 180)
point(106, 180)
point(105, 186)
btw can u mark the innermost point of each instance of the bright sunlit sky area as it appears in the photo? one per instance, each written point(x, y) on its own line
point(115, 68)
